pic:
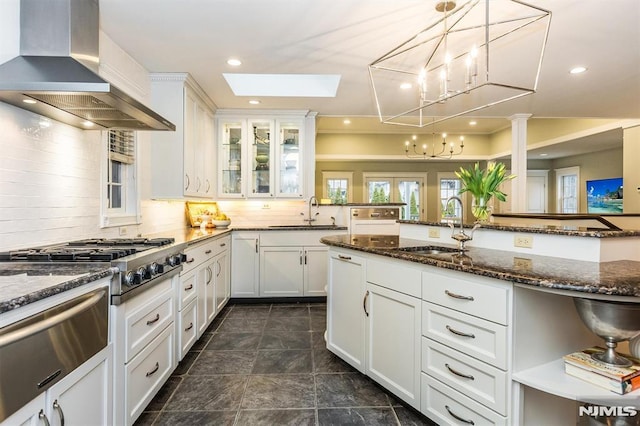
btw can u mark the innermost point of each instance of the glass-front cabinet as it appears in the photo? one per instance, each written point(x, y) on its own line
point(289, 157)
point(232, 141)
point(261, 157)
point(261, 161)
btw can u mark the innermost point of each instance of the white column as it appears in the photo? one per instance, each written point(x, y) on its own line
point(519, 162)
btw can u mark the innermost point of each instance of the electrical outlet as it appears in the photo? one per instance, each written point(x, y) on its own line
point(522, 264)
point(122, 230)
point(266, 206)
point(434, 233)
point(525, 241)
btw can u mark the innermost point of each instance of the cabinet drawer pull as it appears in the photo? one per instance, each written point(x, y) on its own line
point(191, 260)
point(150, 373)
point(458, 296)
point(207, 252)
point(455, 416)
point(208, 186)
point(155, 320)
point(190, 287)
point(457, 373)
point(460, 333)
point(58, 408)
point(210, 275)
point(364, 303)
point(190, 327)
point(42, 416)
point(223, 244)
point(344, 257)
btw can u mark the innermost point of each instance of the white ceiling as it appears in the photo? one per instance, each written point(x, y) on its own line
point(343, 37)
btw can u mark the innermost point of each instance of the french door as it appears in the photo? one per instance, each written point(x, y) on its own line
point(395, 188)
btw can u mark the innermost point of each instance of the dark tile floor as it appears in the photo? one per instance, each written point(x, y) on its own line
point(268, 365)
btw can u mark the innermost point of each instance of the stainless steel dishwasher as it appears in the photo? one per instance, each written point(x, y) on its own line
point(38, 351)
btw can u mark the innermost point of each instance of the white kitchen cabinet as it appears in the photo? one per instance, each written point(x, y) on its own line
point(293, 271)
point(145, 350)
point(465, 348)
point(372, 325)
point(222, 277)
point(316, 270)
point(345, 299)
point(182, 162)
point(206, 295)
point(83, 397)
point(205, 262)
point(268, 154)
point(245, 264)
point(393, 341)
point(281, 271)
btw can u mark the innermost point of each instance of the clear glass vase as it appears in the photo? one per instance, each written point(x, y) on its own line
point(481, 209)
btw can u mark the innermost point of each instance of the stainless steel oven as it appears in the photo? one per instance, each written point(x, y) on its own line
point(374, 220)
point(38, 351)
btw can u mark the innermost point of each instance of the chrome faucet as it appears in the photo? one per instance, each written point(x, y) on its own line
point(313, 201)
point(461, 237)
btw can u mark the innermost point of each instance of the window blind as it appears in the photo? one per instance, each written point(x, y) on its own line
point(122, 146)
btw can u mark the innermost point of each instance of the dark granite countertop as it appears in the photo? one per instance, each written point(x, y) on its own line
point(620, 278)
point(541, 229)
point(22, 283)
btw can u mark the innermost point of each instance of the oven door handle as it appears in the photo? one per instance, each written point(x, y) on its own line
point(37, 327)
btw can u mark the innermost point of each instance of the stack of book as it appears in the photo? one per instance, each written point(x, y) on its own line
point(620, 380)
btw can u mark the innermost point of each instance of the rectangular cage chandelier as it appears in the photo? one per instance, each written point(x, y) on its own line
point(473, 56)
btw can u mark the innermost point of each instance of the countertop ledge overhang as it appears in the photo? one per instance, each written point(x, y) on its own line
point(541, 229)
point(616, 278)
point(25, 283)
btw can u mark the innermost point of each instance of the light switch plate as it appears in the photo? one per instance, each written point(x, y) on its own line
point(434, 233)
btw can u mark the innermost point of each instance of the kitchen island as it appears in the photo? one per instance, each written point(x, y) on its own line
point(477, 336)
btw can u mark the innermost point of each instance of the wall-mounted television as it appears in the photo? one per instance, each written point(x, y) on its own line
point(604, 196)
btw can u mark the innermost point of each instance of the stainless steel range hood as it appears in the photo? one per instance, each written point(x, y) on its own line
point(56, 74)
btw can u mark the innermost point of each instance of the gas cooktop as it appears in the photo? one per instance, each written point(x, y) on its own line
point(88, 250)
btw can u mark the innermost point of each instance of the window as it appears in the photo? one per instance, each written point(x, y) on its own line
point(337, 186)
point(568, 198)
point(397, 188)
point(120, 204)
point(448, 186)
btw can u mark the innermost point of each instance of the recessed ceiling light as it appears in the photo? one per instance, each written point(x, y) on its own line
point(347, 121)
point(543, 154)
point(473, 123)
point(406, 86)
point(87, 124)
point(234, 62)
point(577, 70)
point(254, 102)
point(28, 101)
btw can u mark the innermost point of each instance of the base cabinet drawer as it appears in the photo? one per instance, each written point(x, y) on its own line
point(148, 371)
point(446, 406)
point(144, 325)
point(187, 330)
point(484, 340)
point(477, 296)
point(475, 379)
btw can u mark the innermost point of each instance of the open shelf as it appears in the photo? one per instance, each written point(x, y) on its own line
point(552, 379)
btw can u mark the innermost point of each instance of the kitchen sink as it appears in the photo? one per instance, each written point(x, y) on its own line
point(428, 250)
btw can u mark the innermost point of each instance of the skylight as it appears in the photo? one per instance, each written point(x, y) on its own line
point(292, 85)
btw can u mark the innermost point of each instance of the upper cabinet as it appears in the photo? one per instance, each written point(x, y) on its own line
point(182, 162)
point(270, 155)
